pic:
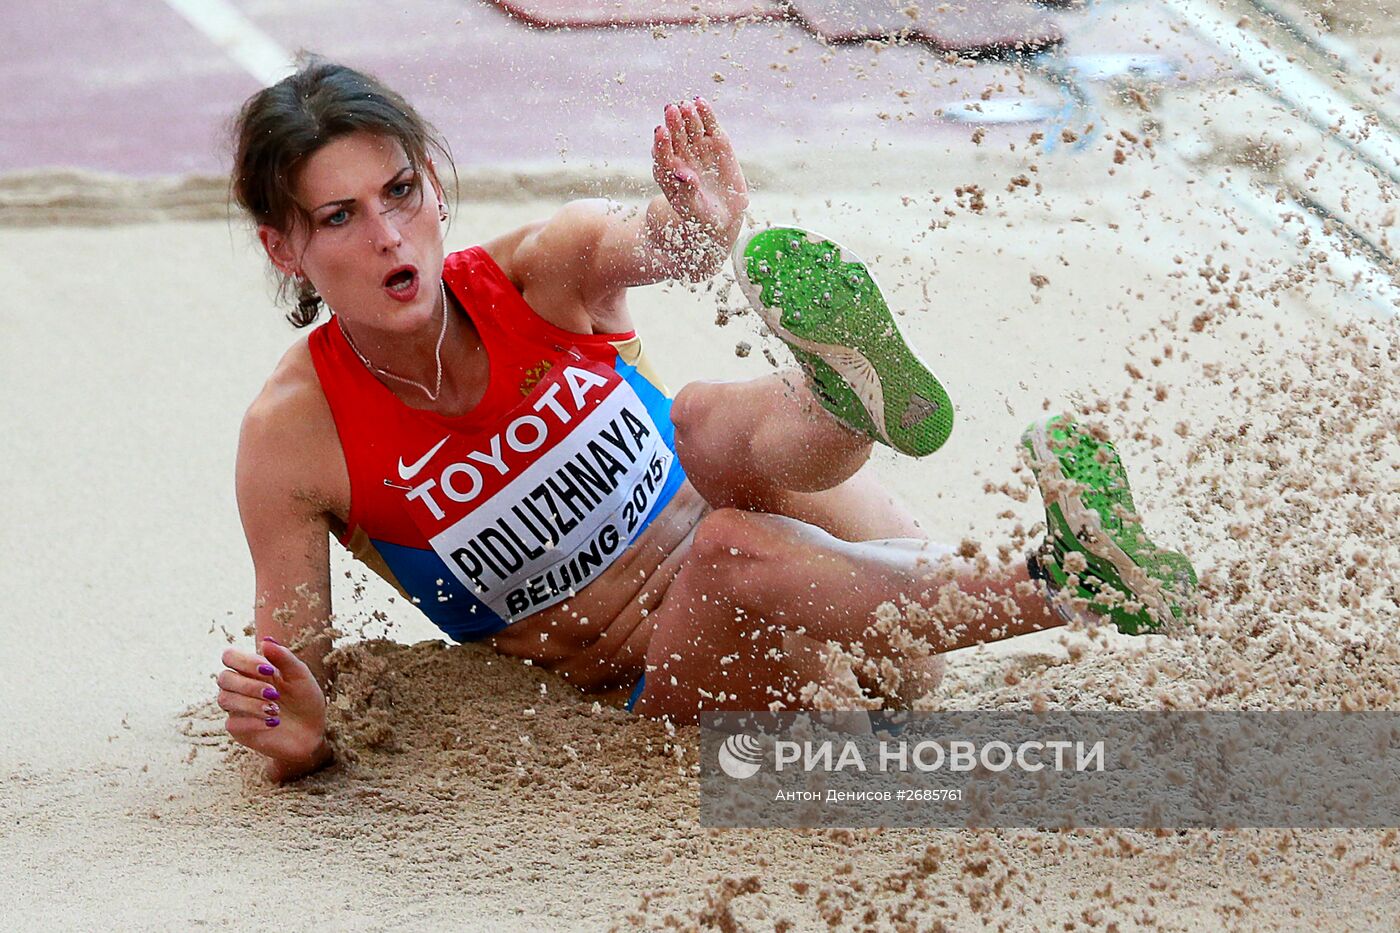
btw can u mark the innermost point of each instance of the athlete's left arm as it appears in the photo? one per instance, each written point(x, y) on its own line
point(687, 231)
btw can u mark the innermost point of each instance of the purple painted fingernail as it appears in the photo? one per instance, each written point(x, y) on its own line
point(270, 693)
point(271, 709)
point(272, 721)
point(271, 639)
point(266, 669)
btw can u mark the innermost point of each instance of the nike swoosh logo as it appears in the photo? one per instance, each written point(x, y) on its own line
point(408, 472)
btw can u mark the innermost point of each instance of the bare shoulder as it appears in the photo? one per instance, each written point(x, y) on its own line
point(555, 244)
point(288, 448)
point(548, 260)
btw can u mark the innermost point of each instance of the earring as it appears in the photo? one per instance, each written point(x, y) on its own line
point(442, 211)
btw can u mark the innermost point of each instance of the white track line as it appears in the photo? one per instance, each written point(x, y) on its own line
point(1354, 271)
point(1294, 84)
point(1342, 54)
point(238, 36)
point(1280, 212)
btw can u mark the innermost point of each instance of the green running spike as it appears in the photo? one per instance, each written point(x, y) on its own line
point(818, 297)
point(1089, 511)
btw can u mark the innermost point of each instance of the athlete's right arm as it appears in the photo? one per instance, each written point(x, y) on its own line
point(275, 697)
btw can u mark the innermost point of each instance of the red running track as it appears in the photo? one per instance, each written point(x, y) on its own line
point(135, 88)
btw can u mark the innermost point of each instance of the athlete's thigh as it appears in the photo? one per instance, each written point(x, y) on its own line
point(717, 424)
point(717, 421)
point(798, 574)
point(698, 660)
point(723, 636)
point(860, 509)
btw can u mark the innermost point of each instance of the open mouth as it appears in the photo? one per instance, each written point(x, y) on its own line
point(401, 280)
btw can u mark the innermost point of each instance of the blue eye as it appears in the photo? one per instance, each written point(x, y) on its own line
point(401, 190)
point(338, 218)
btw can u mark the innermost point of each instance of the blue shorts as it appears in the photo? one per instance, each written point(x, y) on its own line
point(636, 692)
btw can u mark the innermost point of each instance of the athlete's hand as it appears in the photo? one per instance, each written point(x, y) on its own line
point(694, 163)
point(276, 708)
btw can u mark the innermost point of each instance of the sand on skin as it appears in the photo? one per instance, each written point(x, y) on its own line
point(485, 792)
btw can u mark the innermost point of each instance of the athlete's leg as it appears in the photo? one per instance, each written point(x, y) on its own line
point(722, 636)
point(763, 432)
point(1097, 549)
point(766, 445)
point(791, 444)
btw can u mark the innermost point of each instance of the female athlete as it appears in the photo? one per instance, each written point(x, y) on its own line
point(484, 431)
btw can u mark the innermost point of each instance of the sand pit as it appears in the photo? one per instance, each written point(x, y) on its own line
point(1260, 427)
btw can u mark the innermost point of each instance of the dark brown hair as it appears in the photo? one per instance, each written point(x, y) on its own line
point(280, 126)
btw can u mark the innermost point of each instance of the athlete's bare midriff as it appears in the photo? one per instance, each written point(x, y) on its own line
point(596, 640)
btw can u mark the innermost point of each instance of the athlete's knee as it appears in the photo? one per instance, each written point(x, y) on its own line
point(731, 552)
point(726, 535)
point(693, 407)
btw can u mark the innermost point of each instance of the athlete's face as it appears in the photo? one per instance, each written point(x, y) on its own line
point(373, 247)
